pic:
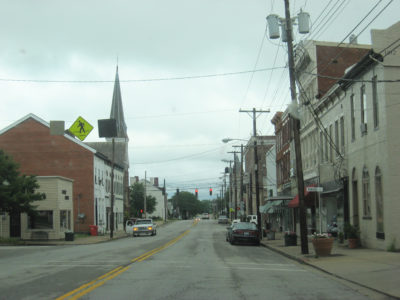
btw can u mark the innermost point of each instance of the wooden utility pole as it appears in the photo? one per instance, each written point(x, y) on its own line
point(296, 136)
point(145, 194)
point(112, 190)
point(235, 176)
point(254, 111)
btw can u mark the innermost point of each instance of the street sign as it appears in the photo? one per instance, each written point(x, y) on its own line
point(315, 189)
point(81, 128)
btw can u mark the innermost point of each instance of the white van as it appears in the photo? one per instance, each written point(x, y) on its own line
point(252, 218)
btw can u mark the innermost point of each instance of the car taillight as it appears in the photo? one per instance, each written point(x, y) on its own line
point(238, 231)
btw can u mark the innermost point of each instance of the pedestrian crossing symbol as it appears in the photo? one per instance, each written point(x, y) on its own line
point(81, 128)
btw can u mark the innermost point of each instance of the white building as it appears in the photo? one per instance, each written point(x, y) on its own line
point(363, 111)
point(102, 194)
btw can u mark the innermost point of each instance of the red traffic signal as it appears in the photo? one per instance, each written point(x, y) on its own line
point(196, 192)
point(141, 211)
point(210, 191)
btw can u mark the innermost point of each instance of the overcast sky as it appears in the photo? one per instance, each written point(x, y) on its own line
point(176, 116)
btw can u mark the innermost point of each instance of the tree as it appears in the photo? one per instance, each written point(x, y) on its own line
point(187, 205)
point(136, 200)
point(17, 192)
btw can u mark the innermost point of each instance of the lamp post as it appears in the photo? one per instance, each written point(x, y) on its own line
point(286, 25)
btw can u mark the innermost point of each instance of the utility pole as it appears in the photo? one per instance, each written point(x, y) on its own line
point(254, 111)
point(165, 202)
point(241, 176)
point(296, 135)
point(145, 194)
point(112, 190)
point(230, 187)
point(235, 176)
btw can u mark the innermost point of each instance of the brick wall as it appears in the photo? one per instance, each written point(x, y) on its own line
point(39, 153)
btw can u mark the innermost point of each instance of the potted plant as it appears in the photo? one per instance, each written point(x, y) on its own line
point(341, 237)
point(322, 243)
point(290, 238)
point(352, 233)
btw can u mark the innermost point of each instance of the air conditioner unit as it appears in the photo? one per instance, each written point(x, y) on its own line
point(363, 128)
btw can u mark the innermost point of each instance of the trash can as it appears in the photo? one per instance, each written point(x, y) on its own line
point(93, 230)
point(69, 236)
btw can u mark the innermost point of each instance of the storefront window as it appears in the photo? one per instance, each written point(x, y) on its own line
point(43, 219)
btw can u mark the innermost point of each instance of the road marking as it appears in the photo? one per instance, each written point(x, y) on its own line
point(90, 286)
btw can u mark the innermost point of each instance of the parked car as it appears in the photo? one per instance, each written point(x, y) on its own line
point(252, 219)
point(144, 227)
point(205, 216)
point(223, 220)
point(243, 232)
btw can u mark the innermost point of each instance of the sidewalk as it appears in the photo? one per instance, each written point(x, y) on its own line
point(374, 269)
point(80, 239)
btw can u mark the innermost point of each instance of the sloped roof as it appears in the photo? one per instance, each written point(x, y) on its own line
point(106, 149)
point(43, 122)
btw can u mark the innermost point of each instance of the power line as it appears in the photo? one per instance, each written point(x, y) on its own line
point(140, 80)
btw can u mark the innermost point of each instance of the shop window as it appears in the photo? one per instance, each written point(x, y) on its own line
point(42, 219)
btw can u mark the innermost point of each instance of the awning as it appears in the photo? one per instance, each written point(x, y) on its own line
point(308, 197)
point(268, 208)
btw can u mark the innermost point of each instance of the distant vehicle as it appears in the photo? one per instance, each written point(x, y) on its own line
point(144, 227)
point(129, 225)
point(243, 232)
point(236, 221)
point(252, 219)
point(205, 216)
point(223, 220)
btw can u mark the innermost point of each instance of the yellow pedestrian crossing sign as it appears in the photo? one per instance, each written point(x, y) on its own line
point(81, 128)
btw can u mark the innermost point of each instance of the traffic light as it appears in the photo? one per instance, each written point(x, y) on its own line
point(141, 211)
point(196, 191)
point(210, 191)
point(177, 191)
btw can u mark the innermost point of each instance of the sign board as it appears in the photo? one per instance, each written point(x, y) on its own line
point(81, 128)
point(315, 189)
point(107, 128)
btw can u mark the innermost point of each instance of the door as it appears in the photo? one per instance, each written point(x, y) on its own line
point(15, 225)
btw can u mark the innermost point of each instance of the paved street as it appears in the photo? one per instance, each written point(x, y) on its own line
point(183, 261)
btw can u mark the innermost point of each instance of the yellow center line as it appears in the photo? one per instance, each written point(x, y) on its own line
point(90, 286)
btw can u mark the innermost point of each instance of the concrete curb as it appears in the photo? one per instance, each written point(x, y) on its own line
point(306, 262)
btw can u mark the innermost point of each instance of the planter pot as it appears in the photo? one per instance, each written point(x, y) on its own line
point(290, 240)
point(323, 247)
point(353, 243)
point(271, 235)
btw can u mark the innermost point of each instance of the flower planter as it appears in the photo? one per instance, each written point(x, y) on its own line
point(353, 243)
point(323, 246)
point(290, 240)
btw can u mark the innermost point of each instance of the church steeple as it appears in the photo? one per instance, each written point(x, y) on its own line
point(117, 111)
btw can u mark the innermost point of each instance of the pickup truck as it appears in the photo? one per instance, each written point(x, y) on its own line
point(144, 226)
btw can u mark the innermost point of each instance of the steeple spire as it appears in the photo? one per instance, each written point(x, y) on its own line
point(117, 111)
